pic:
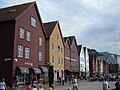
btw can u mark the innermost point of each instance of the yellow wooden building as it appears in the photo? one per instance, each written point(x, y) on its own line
point(54, 48)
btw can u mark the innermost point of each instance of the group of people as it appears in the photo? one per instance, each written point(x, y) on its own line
point(107, 87)
point(61, 80)
point(34, 87)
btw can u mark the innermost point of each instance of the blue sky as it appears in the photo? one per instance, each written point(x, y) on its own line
point(95, 23)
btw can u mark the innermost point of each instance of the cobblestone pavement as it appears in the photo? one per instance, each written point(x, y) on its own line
point(82, 85)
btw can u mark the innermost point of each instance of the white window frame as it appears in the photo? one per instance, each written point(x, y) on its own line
point(20, 51)
point(40, 41)
point(39, 56)
point(28, 34)
point(27, 53)
point(21, 33)
point(33, 21)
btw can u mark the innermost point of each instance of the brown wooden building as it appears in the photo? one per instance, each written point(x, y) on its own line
point(22, 40)
point(67, 56)
point(73, 61)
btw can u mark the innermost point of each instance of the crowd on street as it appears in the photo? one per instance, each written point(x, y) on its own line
point(62, 80)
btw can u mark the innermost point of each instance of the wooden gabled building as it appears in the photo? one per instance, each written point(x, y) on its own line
point(54, 48)
point(22, 44)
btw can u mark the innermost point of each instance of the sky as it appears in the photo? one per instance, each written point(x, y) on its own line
point(94, 23)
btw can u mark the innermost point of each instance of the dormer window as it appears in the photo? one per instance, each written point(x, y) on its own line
point(33, 21)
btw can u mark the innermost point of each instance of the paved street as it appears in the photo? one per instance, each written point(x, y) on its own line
point(82, 85)
point(85, 86)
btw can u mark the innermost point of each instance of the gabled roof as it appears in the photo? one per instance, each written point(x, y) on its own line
point(10, 13)
point(14, 12)
point(79, 49)
point(66, 40)
point(70, 39)
point(49, 27)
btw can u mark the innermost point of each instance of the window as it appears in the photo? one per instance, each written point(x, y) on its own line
point(59, 60)
point(40, 41)
point(20, 51)
point(52, 46)
point(57, 36)
point(33, 22)
point(21, 33)
point(28, 36)
point(27, 53)
point(61, 50)
point(53, 59)
point(40, 56)
point(58, 48)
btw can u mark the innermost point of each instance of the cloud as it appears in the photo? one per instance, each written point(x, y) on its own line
point(95, 23)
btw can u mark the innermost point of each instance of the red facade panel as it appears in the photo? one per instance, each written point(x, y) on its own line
point(24, 22)
point(9, 36)
point(67, 58)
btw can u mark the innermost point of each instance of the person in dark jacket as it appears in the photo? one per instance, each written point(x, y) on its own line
point(117, 85)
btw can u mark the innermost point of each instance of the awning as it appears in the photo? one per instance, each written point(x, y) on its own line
point(73, 70)
point(22, 70)
point(43, 69)
point(35, 70)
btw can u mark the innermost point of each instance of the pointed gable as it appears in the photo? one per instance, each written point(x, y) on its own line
point(73, 43)
point(79, 49)
point(12, 12)
point(66, 42)
point(49, 27)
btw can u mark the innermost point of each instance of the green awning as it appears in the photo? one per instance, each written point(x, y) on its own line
point(22, 70)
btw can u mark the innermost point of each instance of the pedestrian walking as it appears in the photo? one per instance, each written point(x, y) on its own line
point(75, 84)
point(59, 80)
point(105, 85)
point(41, 87)
point(33, 79)
point(51, 88)
point(2, 84)
point(63, 80)
point(68, 88)
point(16, 81)
point(28, 88)
point(38, 78)
point(117, 86)
point(34, 87)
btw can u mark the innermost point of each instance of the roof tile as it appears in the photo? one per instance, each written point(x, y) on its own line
point(12, 12)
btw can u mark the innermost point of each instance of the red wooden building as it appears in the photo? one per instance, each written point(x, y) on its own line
point(66, 56)
point(22, 40)
point(71, 52)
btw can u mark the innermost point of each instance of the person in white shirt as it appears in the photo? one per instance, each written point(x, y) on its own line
point(34, 88)
point(2, 84)
point(105, 85)
point(75, 84)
